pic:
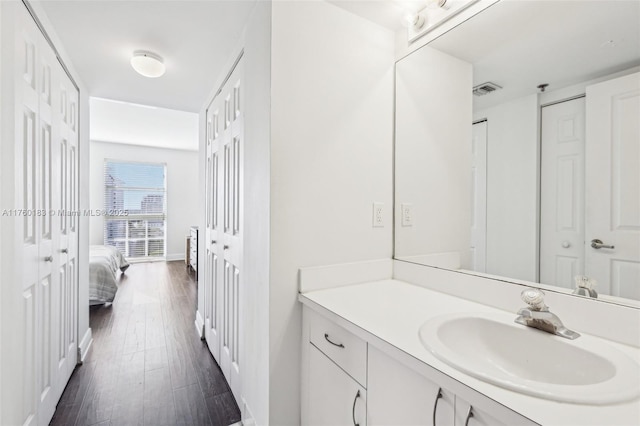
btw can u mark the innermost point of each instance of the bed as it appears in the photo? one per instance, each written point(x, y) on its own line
point(104, 262)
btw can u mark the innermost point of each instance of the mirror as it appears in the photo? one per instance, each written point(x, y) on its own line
point(518, 146)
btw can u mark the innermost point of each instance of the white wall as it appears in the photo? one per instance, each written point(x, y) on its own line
point(331, 158)
point(512, 188)
point(433, 154)
point(182, 188)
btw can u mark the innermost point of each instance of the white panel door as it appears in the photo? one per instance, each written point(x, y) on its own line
point(46, 243)
point(68, 221)
point(27, 254)
point(48, 327)
point(562, 192)
point(224, 218)
point(212, 280)
point(232, 150)
point(613, 185)
point(479, 197)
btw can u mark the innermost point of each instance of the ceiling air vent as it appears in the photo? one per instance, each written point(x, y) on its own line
point(484, 88)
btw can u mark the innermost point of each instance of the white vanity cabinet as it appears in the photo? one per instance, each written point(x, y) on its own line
point(397, 395)
point(335, 373)
point(335, 398)
point(347, 381)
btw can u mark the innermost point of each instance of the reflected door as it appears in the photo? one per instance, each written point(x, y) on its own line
point(562, 192)
point(479, 197)
point(613, 185)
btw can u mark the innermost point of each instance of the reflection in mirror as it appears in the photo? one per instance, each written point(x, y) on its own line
point(553, 155)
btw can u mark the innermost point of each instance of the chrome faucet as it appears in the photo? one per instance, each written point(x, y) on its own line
point(537, 315)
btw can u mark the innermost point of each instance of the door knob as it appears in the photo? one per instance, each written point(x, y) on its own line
point(566, 244)
point(598, 244)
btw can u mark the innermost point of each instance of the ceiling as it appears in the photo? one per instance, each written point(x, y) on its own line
point(521, 44)
point(386, 13)
point(195, 38)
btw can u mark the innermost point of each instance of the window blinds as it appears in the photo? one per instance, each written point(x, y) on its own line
point(135, 208)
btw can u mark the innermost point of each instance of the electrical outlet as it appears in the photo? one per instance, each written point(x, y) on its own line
point(406, 212)
point(378, 215)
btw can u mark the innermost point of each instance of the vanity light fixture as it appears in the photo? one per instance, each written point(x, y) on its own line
point(432, 4)
point(147, 63)
point(416, 20)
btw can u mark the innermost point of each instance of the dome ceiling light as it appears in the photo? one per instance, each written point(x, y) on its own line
point(147, 63)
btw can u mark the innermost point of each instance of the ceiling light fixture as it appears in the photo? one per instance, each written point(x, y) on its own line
point(147, 63)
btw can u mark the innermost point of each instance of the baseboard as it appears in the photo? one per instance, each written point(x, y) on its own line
point(175, 256)
point(247, 417)
point(85, 345)
point(199, 324)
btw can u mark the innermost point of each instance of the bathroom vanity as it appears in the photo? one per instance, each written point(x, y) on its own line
point(430, 337)
point(365, 364)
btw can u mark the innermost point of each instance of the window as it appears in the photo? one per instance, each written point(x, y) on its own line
point(135, 208)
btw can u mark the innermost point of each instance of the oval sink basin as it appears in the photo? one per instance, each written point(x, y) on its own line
point(533, 362)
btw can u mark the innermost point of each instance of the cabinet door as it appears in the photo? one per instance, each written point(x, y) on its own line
point(335, 399)
point(494, 415)
point(397, 395)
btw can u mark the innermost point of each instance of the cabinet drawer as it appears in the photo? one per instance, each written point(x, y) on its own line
point(345, 349)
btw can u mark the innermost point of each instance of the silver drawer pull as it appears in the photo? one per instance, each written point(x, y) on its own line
point(353, 410)
point(435, 405)
point(64, 251)
point(469, 415)
point(48, 259)
point(326, 337)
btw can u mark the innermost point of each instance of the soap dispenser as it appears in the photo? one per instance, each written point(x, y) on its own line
point(584, 286)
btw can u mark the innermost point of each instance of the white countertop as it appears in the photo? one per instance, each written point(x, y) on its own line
point(393, 311)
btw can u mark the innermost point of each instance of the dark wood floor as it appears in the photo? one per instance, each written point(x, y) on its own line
point(147, 365)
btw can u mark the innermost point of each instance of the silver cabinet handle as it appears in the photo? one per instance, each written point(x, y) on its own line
point(213, 241)
point(469, 415)
point(353, 410)
point(64, 251)
point(226, 247)
point(598, 244)
point(326, 337)
point(48, 259)
point(435, 405)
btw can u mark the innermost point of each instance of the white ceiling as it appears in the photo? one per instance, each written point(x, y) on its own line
point(521, 44)
point(386, 13)
point(195, 38)
point(121, 122)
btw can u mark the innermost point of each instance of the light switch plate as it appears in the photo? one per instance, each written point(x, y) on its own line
point(406, 212)
point(378, 215)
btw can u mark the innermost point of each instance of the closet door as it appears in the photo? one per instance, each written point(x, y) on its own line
point(45, 154)
point(28, 233)
point(212, 280)
point(232, 149)
point(48, 327)
point(66, 225)
point(224, 218)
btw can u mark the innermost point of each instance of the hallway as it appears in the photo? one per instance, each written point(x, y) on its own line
point(146, 364)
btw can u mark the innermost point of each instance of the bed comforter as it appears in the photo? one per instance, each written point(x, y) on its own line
point(104, 262)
